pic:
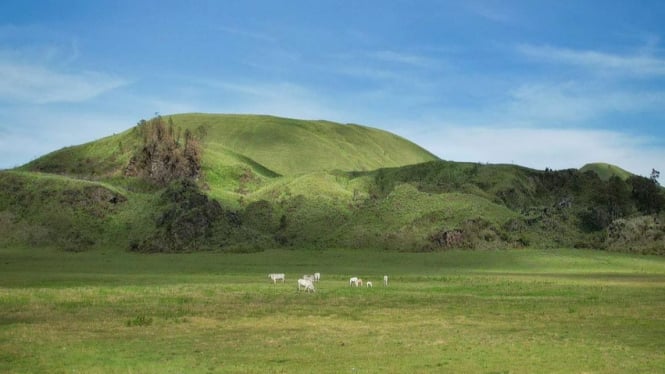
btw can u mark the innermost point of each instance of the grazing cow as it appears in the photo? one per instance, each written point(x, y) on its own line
point(385, 280)
point(353, 281)
point(369, 284)
point(306, 285)
point(317, 276)
point(359, 282)
point(274, 277)
point(308, 277)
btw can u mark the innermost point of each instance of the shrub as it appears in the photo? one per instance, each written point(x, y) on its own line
point(140, 320)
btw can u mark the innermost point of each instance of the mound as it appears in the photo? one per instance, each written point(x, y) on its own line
point(606, 171)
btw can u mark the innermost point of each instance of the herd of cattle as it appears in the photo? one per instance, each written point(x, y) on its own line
point(306, 283)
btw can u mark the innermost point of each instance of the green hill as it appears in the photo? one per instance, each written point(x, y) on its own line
point(606, 171)
point(290, 146)
point(245, 183)
point(269, 145)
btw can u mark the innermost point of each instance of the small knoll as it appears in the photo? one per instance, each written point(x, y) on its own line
point(606, 171)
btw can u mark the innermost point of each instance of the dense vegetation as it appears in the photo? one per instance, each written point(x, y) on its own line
point(163, 157)
point(247, 183)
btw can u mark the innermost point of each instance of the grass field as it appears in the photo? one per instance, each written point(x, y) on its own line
point(520, 311)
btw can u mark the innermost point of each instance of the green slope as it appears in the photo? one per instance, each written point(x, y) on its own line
point(48, 210)
point(242, 152)
point(290, 146)
point(606, 171)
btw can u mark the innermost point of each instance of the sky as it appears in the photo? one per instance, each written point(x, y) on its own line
point(543, 84)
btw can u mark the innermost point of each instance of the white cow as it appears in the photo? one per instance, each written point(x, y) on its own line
point(274, 277)
point(385, 280)
point(309, 277)
point(353, 281)
point(305, 284)
point(369, 284)
point(317, 276)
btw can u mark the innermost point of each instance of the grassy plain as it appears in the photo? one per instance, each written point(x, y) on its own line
point(517, 311)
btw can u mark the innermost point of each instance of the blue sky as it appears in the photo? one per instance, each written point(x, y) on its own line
point(538, 83)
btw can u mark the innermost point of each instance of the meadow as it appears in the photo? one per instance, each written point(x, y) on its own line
point(511, 311)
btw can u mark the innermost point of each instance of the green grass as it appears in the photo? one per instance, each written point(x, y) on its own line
point(606, 171)
point(518, 311)
point(290, 146)
point(53, 210)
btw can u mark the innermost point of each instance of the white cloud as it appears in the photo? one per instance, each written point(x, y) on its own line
point(40, 84)
point(278, 98)
point(42, 74)
point(639, 65)
point(540, 148)
point(572, 102)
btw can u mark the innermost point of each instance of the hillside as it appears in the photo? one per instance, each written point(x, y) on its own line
point(246, 183)
point(290, 146)
point(269, 145)
point(606, 171)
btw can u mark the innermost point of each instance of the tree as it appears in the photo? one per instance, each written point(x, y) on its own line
point(611, 201)
point(647, 194)
point(655, 174)
point(162, 159)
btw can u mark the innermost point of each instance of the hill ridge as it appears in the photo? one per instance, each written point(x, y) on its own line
point(270, 182)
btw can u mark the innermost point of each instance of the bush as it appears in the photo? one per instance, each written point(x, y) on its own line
point(140, 320)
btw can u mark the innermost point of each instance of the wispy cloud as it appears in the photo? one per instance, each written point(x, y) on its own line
point(38, 84)
point(24, 77)
point(540, 148)
point(631, 64)
point(281, 98)
point(574, 102)
point(403, 58)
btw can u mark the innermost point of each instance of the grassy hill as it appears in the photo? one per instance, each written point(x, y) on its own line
point(289, 146)
point(268, 182)
point(606, 171)
point(268, 145)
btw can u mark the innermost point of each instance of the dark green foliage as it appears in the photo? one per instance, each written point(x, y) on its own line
point(187, 219)
point(648, 196)
point(260, 216)
point(612, 200)
point(471, 234)
point(558, 208)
